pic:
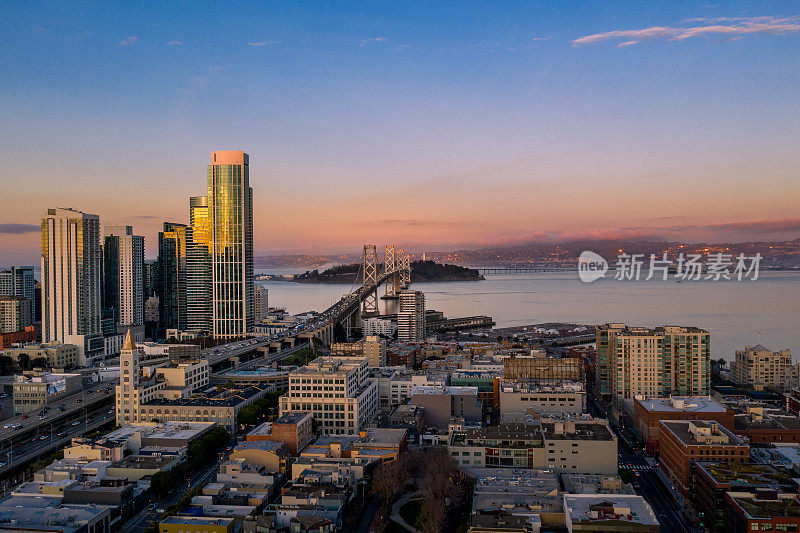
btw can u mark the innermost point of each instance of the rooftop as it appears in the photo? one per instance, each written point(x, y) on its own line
point(702, 433)
point(198, 520)
point(576, 430)
point(781, 506)
point(587, 508)
point(687, 404)
point(144, 462)
point(213, 397)
point(444, 389)
point(751, 474)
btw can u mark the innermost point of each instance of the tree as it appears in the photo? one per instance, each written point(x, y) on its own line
point(433, 515)
point(39, 362)
point(388, 481)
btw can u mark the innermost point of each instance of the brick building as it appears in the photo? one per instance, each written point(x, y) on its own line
point(684, 441)
point(647, 414)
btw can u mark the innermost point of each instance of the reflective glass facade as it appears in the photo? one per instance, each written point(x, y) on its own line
point(230, 207)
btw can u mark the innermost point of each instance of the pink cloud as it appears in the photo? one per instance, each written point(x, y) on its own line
point(735, 28)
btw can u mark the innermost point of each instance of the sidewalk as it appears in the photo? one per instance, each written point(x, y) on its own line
point(395, 515)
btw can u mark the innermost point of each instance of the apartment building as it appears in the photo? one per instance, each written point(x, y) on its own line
point(543, 369)
point(761, 368)
point(372, 347)
point(642, 363)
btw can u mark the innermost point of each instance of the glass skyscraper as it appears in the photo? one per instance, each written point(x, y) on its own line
point(198, 267)
point(172, 270)
point(230, 204)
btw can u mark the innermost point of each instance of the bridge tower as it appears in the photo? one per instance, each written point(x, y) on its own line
point(405, 270)
point(370, 268)
point(390, 263)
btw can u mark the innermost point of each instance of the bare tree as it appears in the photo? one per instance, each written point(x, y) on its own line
point(433, 515)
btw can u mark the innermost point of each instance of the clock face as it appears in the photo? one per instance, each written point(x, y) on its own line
point(126, 363)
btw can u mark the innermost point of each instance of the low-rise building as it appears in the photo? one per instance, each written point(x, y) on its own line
point(35, 390)
point(542, 369)
point(521, 398)
point(763, 425)
point(581, 446)
point(647, 414)
point(501, 496)
point(197, 524)
point(58, 355)
point(595, 484)
point(372, 347)
point(274, 377)
point(443, 403)
point(268, 454)
point(684, 441)
point(762, 510)
point(609, 512)
point(135, 467)
point(172, 435)
point(293, 428)
point(713, 480)
point(28, 513)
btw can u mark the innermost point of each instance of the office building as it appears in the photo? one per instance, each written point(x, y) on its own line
point(198, 266)
point(230, 204)
point(71, 284)
point(260, 303)
point(336, 391)
point(761, 368)
point(123, 273)
point(16, 313)
point(172, 243)
point(411, 316)
point(19, 281)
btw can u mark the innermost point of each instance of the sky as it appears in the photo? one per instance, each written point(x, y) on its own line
point(431, 125)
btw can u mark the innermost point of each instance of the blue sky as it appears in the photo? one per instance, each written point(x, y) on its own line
point(438, 124)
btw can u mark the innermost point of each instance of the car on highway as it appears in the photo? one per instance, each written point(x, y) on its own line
point(76, 423)
point(79, 400)
point(24, 417)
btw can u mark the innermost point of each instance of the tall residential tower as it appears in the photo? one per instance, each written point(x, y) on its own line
point(123, 272)
point(71, 282)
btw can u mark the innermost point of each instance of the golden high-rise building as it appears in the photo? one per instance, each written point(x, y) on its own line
point(230, 208)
